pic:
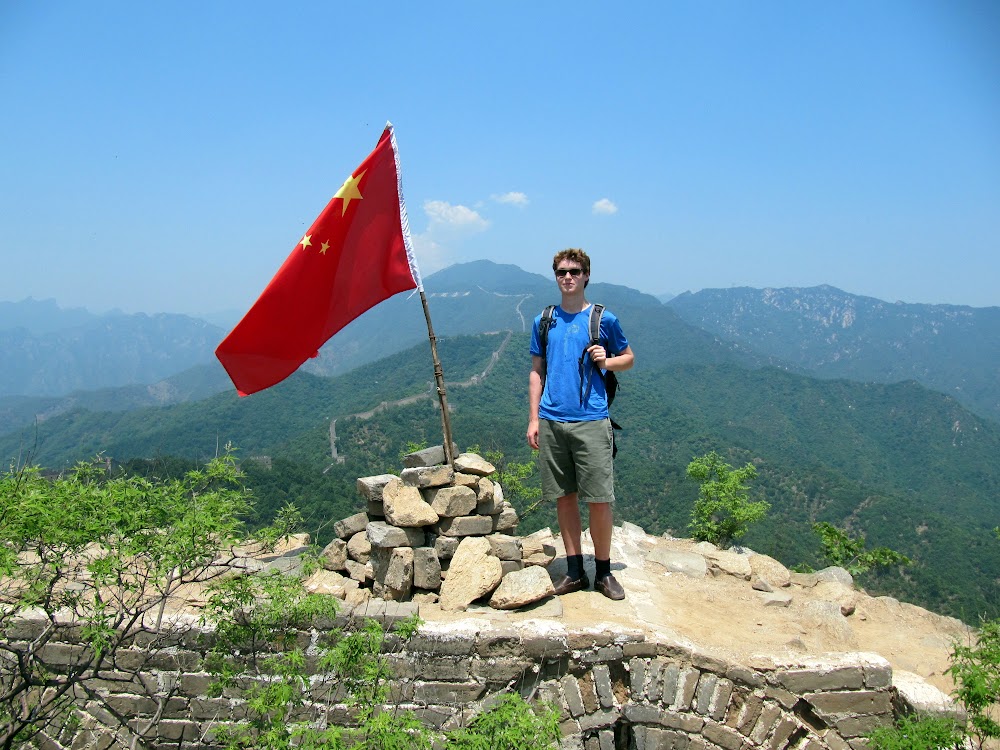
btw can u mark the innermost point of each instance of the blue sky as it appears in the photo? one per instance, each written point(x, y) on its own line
point(167, 156)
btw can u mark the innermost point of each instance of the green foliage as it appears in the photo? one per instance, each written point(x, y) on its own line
point(723, 511)
point(976, 671)
point(255, 654)
point(841, 550)
point(918, 733)
point(511, 724)
point(519, 480)
point(111, 550)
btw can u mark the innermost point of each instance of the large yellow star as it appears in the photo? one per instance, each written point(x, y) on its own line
point(306, 241)
point(349, 191)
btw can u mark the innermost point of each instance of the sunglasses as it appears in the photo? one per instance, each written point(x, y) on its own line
point(560, 272)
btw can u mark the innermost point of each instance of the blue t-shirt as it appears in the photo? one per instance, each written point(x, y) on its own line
point(569, 336)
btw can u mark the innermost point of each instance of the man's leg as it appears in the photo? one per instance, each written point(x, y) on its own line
point(601, 522)
point(570, 525)
point(570, 529)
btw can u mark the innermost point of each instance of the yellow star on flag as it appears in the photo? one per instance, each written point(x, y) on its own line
point(326, 246)
point(306, 241)
point(349, 191)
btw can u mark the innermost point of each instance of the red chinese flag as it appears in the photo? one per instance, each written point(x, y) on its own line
point(356, 254)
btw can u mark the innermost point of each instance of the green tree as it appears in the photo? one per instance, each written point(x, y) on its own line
point(849, 553)
point(723, 511)
point(975, 667)
point(511, 724)
point(93, 558)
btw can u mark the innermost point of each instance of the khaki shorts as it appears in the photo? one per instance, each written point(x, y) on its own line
point(576, 457)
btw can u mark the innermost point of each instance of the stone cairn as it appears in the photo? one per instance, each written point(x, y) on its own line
point(436, 534)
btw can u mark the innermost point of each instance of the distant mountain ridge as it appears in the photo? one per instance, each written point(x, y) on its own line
point(833, 334)
point(101, 352)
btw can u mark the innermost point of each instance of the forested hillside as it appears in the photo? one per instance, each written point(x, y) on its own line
point(906, 466)
point(833, 334)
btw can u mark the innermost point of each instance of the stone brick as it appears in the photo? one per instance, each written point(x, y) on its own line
point(574, 698)
point(466, 526)
point(641, 649)
point(654, 687)
point(690, 723)
point(446, 546)
point(687, 681)
point(602, 682)
point(782, 732)
point(447, 692)
point(505, 520)
point(878, 675)
point(812, 680)
point(176, 730)
point(370, 488)
point(669, 676)
point(359, 548)
point(473, 463)
point(500, 671)
point(748, 715)
point(707, 663)
point(722, 736)
point(720, 699)
point(850, 702)
point(744, 676)
point(382, 535)
point(597, 719)
point(637, 678)
point(428, 476)
point(504, 546)
point(426, 568)
point(762, 727)
point(852, 727)
point(451, 501)
point(704, 692)
point(784, 697)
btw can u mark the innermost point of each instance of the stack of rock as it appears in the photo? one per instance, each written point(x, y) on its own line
point(440, 534)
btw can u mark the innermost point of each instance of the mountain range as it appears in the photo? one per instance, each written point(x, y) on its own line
point(910, 464)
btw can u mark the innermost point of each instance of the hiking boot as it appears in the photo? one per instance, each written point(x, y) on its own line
point(610, 587)
point(567, 585)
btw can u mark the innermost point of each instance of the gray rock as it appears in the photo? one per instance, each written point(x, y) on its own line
point(405, 506)
point(350, 526)
point(371, 487)
point(428, 456)
point(521, 588)
point(426, 569)
point(473, 573)
point(451, 501)
point(359, 548)
point(334, 555)
point(465, 526)
point(505, 547)
point(381, 534)
point(428, 476)
point(473, 463)
point(675, 561)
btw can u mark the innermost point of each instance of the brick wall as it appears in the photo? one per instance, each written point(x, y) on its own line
point(612, 690)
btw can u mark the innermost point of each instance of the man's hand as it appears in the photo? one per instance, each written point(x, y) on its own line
point(533, 434)
point(599, 355)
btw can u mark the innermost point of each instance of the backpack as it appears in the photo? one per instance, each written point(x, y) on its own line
point(609, 378)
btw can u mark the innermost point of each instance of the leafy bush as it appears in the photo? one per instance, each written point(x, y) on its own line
point(841, 550)
point(723, 511)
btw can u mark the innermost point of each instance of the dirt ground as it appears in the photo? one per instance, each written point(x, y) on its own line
point(725, 615)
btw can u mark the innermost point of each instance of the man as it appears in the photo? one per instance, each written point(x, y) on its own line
point(568, 421)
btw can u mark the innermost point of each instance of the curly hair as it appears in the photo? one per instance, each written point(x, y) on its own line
point(576, 255)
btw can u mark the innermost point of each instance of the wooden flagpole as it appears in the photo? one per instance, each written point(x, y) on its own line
point(439, 382)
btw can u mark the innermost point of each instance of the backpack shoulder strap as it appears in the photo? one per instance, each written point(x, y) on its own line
point(548, 317)
point(596, 313)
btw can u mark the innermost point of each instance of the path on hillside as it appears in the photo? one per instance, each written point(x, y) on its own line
point(386, 405)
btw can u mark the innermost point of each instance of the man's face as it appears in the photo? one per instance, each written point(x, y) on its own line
point(570, 276)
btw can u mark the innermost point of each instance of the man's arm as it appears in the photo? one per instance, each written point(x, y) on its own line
point(619, 363)
point(535, 380)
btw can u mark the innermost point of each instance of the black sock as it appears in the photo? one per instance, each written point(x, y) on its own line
point(603, 569)
point(574, 566)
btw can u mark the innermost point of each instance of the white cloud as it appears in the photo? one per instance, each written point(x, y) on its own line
point(431, 256)
point(443, 214)
point(514, 198)
point(440, 245)
point(604, 207)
